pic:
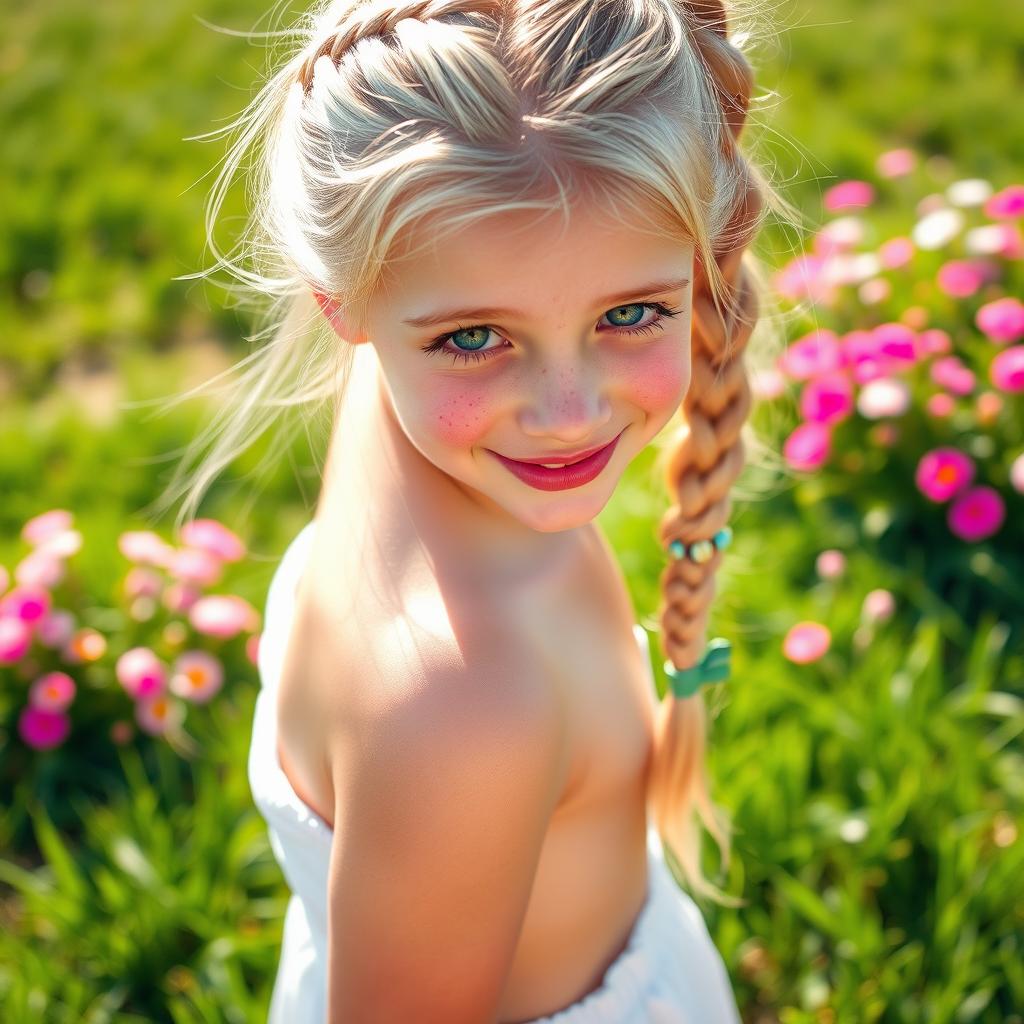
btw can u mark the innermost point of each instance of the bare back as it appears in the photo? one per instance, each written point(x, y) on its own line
point(357, 629)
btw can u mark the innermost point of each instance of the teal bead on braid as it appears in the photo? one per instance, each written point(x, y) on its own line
point(714, 666)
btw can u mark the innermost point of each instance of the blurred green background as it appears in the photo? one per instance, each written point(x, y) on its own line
point(162, 901)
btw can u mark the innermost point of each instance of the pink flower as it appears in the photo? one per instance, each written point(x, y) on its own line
point(848, 194)
point(196, 566)
point(1017, 474)
point(977, 513)
point(252, 644)
point(41, 729)
point(878, 606)
point(223, 615)
point(830, 564)
point(61, 545)
point(996, 240)
point(1007, 369)
point(804, 277)
point(962, 278)
point(56, 629)
point(1002, 320)
point(141, 581)
point(39, 569)
point(140, 672)
point(896, 252)
point(940, 405)
point(934, 342)
point(839, 235)
point(811, 355)
point(1007, 203)
point(214, 537)
point(943, 472)
point(53, 691)
point(144, 547)
point(196, 676)
point(767, 383)
point(158, 714)
point(808, 446)
point(895, 163)
point(806, 641)
point(951, 374)
point(179, 597)
point(851, 267)
point(15, 639)
point(45, 525)
point(988, 406)
point(895, 343)
point(827, 399)
point(28, 603)
point(859, 350)
point(874, 291)
point(884, 396)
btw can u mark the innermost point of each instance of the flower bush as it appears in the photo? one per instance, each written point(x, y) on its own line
point(906, 370)
point(67, 661)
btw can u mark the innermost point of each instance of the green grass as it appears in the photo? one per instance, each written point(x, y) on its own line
point(876, 794)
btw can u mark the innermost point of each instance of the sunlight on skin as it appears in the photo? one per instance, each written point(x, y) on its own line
point(561, 377)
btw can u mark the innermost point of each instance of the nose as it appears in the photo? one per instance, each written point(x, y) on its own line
point(568, 405)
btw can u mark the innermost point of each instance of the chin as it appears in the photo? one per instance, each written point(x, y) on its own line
point(556, 512)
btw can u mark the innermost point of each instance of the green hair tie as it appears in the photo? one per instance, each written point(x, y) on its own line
point(713, 667)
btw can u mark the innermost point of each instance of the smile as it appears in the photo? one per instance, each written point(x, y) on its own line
point(563, 477)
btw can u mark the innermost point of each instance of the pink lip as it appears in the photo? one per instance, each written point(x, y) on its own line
point(575, 475)
point(565, 456)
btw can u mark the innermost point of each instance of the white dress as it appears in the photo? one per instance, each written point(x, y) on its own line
point(669, 973)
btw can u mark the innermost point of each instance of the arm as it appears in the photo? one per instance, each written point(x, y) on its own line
point(441, 809)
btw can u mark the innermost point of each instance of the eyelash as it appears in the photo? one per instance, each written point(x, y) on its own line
point(438, 344)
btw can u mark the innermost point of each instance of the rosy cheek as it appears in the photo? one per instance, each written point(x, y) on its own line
point(658, 380)
point(458, 414)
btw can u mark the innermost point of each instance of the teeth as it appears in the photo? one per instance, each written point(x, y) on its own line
point(553, 465)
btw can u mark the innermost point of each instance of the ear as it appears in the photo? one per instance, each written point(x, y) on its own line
point(332, 310)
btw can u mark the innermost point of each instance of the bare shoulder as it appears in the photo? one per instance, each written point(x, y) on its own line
point(442, 801)
point(417, 688)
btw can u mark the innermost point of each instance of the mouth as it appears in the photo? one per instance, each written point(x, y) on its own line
point(565, 476)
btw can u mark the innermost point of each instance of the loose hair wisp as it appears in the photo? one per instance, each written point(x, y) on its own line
point(382, 114)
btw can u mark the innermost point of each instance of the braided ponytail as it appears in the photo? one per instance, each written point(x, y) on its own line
point(365, 20)
point(633, 100)
point(701, 467)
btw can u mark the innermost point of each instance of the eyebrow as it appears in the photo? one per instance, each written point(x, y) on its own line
point(492, 312)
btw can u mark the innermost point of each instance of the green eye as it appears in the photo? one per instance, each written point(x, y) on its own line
point(618, 309)
point(441, 344)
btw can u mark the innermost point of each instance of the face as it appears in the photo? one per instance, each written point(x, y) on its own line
point(525, 338)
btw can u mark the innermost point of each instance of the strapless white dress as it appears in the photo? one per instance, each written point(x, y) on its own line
point(669, 973)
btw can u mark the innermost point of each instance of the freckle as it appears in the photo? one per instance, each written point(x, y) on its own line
point(459, 418)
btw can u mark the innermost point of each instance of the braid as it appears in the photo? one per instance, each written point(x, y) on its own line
point(702, 467)
point(366, 20)
point(731, 73)
point(710, 456)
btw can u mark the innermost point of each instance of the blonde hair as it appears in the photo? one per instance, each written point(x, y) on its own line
point(386, 113)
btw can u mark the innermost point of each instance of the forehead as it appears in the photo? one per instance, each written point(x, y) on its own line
point(591, 250)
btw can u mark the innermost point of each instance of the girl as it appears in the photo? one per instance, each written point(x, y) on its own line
point(509, 233)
